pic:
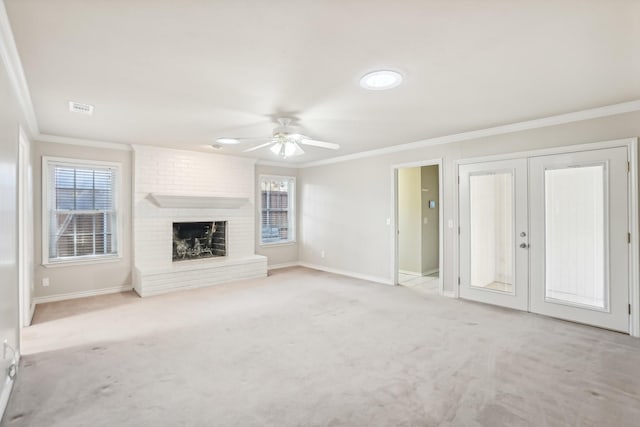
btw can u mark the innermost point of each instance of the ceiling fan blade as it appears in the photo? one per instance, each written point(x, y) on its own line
point(297, 151)
point(257, 147)
point(321, 144)
point(261, 139)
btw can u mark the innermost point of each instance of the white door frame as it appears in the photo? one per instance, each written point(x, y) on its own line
point(394, 217)
point(634, 251)
point(25, 232)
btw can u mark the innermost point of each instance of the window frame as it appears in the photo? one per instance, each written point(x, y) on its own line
point(291, 209)
point(47, 163)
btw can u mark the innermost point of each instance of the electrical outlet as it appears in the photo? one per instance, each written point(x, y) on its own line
point(322, 254)
point(45, 281)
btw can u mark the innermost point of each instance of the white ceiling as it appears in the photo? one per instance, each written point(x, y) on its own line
point(183, 73)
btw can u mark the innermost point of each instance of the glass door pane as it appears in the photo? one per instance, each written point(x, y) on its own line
point(575, 236)
point(491, 231)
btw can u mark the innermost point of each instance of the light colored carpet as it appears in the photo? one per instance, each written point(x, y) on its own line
point(306, 348)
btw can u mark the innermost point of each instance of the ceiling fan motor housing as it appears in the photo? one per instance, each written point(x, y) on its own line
point(287, 132)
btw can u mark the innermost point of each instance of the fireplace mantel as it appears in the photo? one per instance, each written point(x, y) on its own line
point(196, 201)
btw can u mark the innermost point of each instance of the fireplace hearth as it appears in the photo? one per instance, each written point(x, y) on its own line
point(197, 240)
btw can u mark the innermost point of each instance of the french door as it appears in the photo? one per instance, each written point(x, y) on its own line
point(493, 226)
point(549, 234)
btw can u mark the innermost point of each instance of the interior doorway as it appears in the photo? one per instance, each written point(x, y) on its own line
point(418, 233)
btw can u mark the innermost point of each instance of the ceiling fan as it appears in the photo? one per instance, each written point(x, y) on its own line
point(285, 140)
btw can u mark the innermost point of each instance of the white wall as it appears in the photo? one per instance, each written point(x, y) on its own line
point(279, 254)
point(352, 199)
point(187, 173)
point(430, 219)
point(343, 211)
point(82, 278)
point(410, 220)
point(11, 119)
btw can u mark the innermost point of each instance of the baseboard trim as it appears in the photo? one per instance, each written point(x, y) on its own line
point(428, 272)
point(410, 273)
point(449, 294)
point(283, 265)
point(82, 294)
point(376, 279)
point(32, 311)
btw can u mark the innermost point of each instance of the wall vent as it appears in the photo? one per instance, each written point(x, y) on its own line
point(78, 107)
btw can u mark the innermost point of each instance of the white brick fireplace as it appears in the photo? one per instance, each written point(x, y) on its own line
point(182, 186)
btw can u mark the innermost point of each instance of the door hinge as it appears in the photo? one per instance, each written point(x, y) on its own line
point(629, 308)
point(628, 237)
point(458, 229)
point(458, 179)
point(458, 281)
point(628, 166)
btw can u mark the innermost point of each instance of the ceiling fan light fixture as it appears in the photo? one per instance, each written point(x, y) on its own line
point(227, 141)
point(277, 148)
point(381, 80)
point(290, 149)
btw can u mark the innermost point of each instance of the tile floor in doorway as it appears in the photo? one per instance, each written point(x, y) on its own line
point(427, 284)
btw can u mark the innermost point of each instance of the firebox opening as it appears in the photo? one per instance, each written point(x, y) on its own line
point(196, 240)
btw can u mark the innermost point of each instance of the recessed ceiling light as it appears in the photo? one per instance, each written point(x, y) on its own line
point(79, 107)
point(381, 80)
point(216, 146)
point(227, 141)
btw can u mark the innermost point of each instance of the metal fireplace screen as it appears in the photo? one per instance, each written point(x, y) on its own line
point(196, 240)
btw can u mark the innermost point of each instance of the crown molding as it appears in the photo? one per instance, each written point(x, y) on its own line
point(593, 113)
point(80, 141)
point(11, 59)
point(560, 119)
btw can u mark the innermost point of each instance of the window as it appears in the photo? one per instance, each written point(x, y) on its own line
point(80, 218)
point(277, 209)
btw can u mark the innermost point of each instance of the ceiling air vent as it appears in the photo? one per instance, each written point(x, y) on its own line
point(78, 107)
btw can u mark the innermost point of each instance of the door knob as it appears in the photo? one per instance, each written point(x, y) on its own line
point(524, 245)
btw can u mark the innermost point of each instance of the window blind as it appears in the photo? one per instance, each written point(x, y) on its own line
point(82, 216)
point(277, 195)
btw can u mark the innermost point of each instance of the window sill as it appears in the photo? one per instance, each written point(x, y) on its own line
point(274, 244)
point(79, 262)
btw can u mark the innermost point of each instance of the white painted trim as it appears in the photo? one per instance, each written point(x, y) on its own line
point(394, 217)
point(634, 253)
point(118, 203)
point(375, 279)
point(410, 273)
point(81, 141)
point(283, 265)
point(449, 294)
point(593, 113)
point(82, 294)
point(32, 312)
point(634, 224)
point(292, 209)
point(11, 58)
